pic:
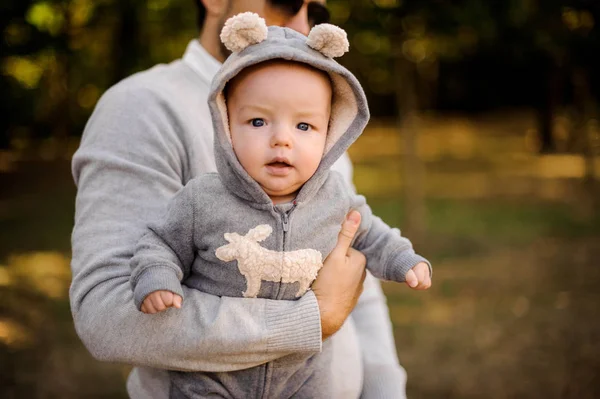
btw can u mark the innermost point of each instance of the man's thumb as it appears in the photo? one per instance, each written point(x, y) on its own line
point(349, 228)
point(411, 279)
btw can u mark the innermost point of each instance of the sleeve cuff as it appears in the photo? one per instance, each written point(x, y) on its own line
point(294, 326)
point(155, 278)
point(401, 264)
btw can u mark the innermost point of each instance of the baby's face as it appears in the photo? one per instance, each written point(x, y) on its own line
point(278, 117)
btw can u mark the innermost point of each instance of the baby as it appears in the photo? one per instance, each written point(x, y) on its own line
point(283, 111)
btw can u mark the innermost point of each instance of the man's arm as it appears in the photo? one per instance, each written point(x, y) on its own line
point(130, 163)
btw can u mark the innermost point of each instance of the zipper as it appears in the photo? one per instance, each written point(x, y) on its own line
point(285, 219)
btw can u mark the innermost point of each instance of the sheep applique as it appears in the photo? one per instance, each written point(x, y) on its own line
point(259, 264)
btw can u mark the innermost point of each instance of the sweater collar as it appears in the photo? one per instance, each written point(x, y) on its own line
point(201, 62)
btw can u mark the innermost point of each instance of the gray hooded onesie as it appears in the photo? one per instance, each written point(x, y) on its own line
point(223, 235)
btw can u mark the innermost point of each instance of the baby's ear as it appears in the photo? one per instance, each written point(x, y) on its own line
point(329, 40)
point(243, 30)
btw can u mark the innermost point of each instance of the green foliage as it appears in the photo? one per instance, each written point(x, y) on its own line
point(430, 35)
point(59, 56)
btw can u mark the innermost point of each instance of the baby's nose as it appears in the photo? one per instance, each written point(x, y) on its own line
point(281, 137)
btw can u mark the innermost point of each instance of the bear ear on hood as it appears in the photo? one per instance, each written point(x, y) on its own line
point(243, 30)
point(248, 28)
point(329, 40)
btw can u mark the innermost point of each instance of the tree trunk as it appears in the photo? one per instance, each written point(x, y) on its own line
point(547, 107)
point(585, 106)
point(125, 40)
point(413, 170)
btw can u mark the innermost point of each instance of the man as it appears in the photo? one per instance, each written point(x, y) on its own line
point(149, 135)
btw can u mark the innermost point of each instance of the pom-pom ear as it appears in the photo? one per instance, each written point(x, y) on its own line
point(329, 40)
point(243, 30)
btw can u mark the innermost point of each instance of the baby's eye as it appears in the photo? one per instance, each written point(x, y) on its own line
point(257, 122)
point(303, 126)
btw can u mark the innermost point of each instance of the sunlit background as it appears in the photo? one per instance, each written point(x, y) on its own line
point(484, 147)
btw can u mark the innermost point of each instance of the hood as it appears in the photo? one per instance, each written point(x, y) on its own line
point(251, 42)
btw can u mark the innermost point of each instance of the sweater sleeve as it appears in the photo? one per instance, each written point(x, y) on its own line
point(389, 255)
point(383, 375)
point(130, 163)
point(166, 252)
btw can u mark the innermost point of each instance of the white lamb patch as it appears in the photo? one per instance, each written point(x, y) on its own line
point(257, 263)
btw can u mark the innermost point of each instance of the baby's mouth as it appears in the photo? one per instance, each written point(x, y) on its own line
point(279, 164)
point(279, 167)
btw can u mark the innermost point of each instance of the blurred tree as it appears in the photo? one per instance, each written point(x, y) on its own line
point(409, 38)
point(518, 52)
point(58, 56)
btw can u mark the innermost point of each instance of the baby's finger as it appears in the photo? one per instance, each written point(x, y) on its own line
point(428, 279)
point(423, 272)
point(177, 301)
point(167, 298)
point(424, 278)
point(148, 305)
point(411, 279)
point(157, 302)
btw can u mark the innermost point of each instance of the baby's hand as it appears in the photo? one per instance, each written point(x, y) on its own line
point(418, 277)
point(158, 301)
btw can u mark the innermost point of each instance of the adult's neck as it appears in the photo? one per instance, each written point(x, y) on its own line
point(210, 40)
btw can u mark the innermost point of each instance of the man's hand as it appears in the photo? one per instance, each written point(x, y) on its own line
point(158, 301)
point(418, 277)
point(340, 280)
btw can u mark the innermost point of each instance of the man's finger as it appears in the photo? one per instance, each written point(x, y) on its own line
point(411, 279)
point(349, 228)
point(356, 258)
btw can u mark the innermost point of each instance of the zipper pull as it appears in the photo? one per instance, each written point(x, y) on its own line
point(286, 225)
point(285, 217)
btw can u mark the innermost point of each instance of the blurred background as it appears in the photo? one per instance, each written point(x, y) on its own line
point(484, 147)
